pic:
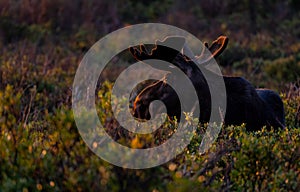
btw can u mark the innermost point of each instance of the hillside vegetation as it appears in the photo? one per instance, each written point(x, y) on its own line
point(41, 46)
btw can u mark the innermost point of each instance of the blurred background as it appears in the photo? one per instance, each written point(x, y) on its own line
point(42, 43)
point(264, 35)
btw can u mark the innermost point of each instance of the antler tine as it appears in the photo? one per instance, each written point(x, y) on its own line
point(139, 53)
point(160, 49)
point(175, 42)
point(132, 50)
point(144, 52)
point(143, 49)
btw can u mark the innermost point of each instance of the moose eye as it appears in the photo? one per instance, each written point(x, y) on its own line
point(144, 102)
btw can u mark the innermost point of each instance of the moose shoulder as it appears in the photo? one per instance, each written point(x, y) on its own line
point(245, 104)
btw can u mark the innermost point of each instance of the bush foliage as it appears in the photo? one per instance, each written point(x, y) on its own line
point(41, 45)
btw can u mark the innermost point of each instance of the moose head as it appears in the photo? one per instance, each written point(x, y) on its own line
point(245, 104)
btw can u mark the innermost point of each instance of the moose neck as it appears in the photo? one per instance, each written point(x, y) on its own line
point(195, 74)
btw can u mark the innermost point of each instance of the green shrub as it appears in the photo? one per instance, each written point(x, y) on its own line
point(41, 45)
point(283, 69)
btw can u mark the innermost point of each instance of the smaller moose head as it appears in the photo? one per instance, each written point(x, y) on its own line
point(159, 90)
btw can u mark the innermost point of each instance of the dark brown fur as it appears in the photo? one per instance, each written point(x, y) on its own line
point(245, 104)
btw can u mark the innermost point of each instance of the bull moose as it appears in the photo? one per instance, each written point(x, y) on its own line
point(245, 104)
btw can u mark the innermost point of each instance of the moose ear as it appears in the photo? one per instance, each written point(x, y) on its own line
point(218, 46)
point(213, 51)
